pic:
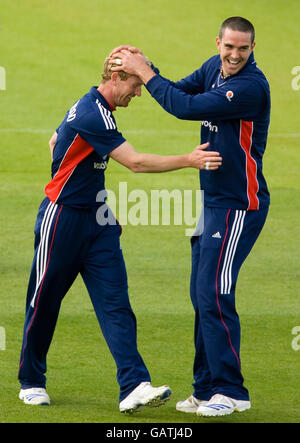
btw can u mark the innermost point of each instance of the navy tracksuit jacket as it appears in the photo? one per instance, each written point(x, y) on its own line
point(235, 114)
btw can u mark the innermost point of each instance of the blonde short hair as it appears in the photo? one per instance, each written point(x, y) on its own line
point(107, 72)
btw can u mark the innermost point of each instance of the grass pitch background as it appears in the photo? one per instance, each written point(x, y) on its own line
point(52, 52)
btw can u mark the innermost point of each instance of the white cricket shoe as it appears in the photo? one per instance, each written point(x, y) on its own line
point(145, 395)
point(34, 396)
point(190, 405)
point(221, 405)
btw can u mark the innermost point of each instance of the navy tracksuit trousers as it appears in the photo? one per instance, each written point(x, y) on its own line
point(69, 241)
point(226, 238)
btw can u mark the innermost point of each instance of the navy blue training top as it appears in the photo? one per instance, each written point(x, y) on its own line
point(86, 136)
point(235, 115)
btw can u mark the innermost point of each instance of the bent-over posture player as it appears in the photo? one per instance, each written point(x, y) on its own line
point(231, 97)
point(69, 241)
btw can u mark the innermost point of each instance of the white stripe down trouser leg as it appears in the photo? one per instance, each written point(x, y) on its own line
point(226, 273)
point(43, 248)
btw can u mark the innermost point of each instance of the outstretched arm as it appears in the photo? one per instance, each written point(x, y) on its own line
point(139, 162)
point(187, 101)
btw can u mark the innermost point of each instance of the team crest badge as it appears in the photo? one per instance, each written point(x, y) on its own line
point(229, 95)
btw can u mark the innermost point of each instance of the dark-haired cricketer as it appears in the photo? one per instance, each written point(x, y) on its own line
point(231, 96)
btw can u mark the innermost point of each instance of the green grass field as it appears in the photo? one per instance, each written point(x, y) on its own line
point(52, 52)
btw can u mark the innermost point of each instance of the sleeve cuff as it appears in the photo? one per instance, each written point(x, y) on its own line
point(153, 83)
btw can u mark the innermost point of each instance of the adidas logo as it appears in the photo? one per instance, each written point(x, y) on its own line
point(216, 235)
point(217, 406)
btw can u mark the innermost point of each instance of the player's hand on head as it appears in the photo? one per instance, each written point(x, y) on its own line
point(127, 61)
point(132, 49)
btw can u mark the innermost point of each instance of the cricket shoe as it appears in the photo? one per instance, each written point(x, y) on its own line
point(221, 405)
point(34, 396)
point(145, 395)
point(190, 405)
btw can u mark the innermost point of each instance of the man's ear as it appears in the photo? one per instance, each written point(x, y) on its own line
point(115, 77)
point(218, 42)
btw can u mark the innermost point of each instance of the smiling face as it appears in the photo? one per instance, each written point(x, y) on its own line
point(125, 90)
point(235, 48)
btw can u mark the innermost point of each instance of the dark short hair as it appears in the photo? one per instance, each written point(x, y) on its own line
point(238, 24)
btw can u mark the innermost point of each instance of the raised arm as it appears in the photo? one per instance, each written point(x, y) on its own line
point(134, 62)
point(184, 101)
